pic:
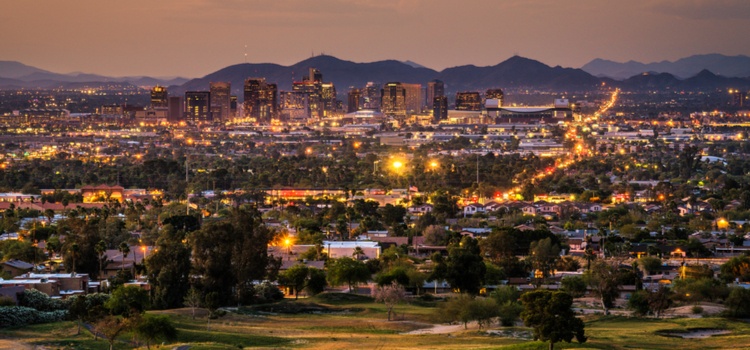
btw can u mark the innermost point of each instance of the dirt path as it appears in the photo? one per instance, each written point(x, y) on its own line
point(443, 329)
point(6, 344)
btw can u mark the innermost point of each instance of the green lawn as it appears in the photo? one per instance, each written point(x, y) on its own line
point(342, 322)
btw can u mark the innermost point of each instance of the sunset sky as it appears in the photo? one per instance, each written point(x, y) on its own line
point(192, 38)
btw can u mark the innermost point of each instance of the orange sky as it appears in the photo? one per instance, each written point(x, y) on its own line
point(192, 38)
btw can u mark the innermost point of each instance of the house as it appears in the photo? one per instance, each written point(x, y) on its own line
point(338, 249)
point(473, 208)
point(102, 193)
point(420, 210)
point(529, 209)
point(16, 267)
point(53, 284)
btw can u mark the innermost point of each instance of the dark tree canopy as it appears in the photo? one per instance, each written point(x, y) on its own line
point(551, 317)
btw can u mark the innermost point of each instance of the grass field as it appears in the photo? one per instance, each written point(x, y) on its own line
point(332, 322)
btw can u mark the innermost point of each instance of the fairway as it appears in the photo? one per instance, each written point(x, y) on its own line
point(343, 322)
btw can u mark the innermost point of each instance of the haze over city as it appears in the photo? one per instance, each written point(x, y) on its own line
point(195, 37)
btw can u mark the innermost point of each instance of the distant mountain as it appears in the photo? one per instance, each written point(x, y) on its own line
point(705, 80)
point(728, 66)
point(413, 64)
point(15, 70)
point(17, 75)
point(342, 73)
point(516, 72)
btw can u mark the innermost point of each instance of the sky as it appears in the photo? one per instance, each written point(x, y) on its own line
point(192, 38)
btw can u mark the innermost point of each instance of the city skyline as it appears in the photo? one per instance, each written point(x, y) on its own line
point(183, 38)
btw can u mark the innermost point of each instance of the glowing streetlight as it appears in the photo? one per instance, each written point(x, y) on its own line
point(397, 164)
point(434, 164)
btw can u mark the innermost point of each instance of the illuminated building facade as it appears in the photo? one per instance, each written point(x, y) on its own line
point(439, 108)
point(435, 88)
point(494, 94)
point(220, 100)
point(159, 97)
point(413, 101)
point(371, 96)
point(261, 99)
point(198, 106)
point(468, 101)
point(354, 99)
point(393, 99)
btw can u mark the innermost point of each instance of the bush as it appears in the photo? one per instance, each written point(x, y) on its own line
point(14, 316)
point(638, 302)
point(266, 292)
point(37, 300)
point(697, 309)
point(6, 301)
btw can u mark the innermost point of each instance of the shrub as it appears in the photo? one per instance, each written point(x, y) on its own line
point(14, 316)
point(697, 309)
point(266, 292)
point(37, 300)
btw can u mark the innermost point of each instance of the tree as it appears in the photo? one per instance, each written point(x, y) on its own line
point(390, 295)
point(737, 267)
point(128, 301)
point(574, 285)
point(124, 248)
point(435, 235)
point(551, 317)
point(101, 249)
point(738, 303)
point(295, 277)
point(155, 327)
point(455, 309)
point(193, 300)
point(544, 255)
point(347, 270)
point(316, 282)
point(465, 269)
point(78, 311)
point(604, 280)
point(483, 310)
point(110, 327)
point(638, 302)
point(660, 300)
point(168, 269)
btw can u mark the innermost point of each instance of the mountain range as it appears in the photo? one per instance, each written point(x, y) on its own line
point(728, 66)
point(514, 73)
point(18, 75)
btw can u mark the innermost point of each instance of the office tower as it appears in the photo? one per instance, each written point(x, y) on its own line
point(176, 110)
point(314, 76)
point(739, 98)
point(494, 94)
point(435, 88)
point(468, 101)
point(328, 98)
point(393, 99)
point(261, 99)
point(439, 109)
point(159, 97)
point(198, 106)
point(220, 94)
point(354, 99)
point(371, 96)
point(233, 106)
point(413, 101)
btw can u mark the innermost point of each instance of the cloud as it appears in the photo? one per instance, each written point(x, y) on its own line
point(704, 9)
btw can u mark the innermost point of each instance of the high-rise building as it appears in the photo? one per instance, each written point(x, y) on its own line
point(439, 108)
point(198, 106)
point(371, 96)
point(494, 94)
point(435, 88)
point(739, 98)
point(468, 101)
point(176, 110)
point(393, 99)
point(413, 100)
point(159, 97)
point(321, 96)
point(261, 99)
point(220, 99)
point(354, 100)
point(233, 106)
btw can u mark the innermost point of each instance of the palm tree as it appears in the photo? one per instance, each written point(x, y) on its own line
point(358, 252)
point(101, 249)
point(74, 250)
point(124, 248)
